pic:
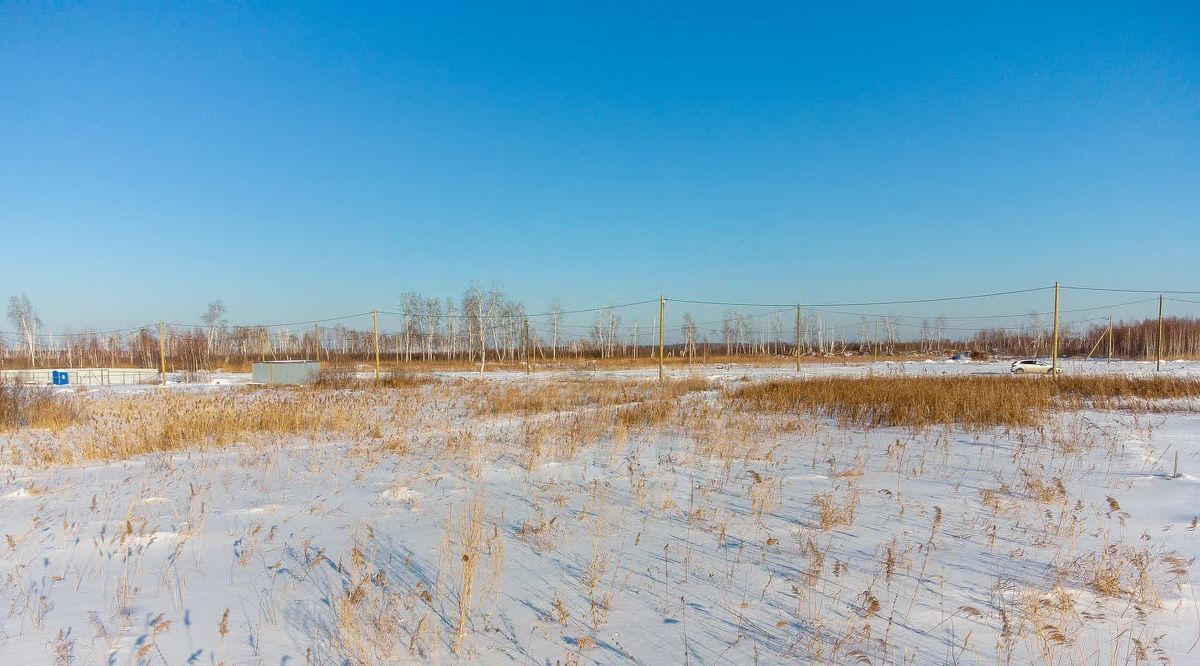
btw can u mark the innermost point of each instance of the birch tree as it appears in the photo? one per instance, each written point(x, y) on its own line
point(433, 315)
point(213, 323)
point(689, 336)
point(24, 317)
point(410, 311)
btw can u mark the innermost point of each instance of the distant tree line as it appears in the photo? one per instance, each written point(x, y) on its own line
point(486, 325)
point(1130, 340)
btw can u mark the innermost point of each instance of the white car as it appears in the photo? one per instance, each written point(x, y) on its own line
point(1033, 366)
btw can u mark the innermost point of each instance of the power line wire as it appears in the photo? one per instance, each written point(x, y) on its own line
point(1132, 291)
point(902, 302)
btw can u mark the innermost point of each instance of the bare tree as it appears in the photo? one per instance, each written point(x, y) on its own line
point(689, 336)
point(25, 318)
point(213, 322)
point(479, 309)
point(451, 317)
point(410, 312)
point(433, 315)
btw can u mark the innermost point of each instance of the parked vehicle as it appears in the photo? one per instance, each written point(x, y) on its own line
point(1033, 366)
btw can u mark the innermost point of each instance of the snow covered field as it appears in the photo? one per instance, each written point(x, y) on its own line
point(439, 530)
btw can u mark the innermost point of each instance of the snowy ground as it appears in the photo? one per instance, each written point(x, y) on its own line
point(750, 371)
point(644, 546)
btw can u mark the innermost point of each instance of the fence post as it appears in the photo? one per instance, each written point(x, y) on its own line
point(1158, 347)
point(798, 337)
point(375, 326)
point(662, 310)
point(162, 354)
point(1054, 347)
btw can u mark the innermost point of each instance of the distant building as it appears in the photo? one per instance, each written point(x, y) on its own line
point(292, 373)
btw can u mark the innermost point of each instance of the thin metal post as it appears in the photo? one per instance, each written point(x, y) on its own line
point(375, 325)
point(162, 354)
point(1054, 349)
point(1159, 346)
point(662, 311)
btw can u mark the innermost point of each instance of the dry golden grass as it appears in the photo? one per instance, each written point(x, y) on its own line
point(1122, 571)
point(675, 361)
point(554, 396)
point(972, 402)
point(34, 407)
point(223, 419)
point(343, 377)
point(581, 411)
point(571, 394)
point(835, 511)
point(115, 428)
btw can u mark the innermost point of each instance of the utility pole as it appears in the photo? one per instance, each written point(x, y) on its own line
point(1110, 340)
point(317, 340)
point(375, 325)
point(1054, 348)
point(1158, 347)
point(528, 349)
point(797, 337)
point(162, 354)
point(662, 311)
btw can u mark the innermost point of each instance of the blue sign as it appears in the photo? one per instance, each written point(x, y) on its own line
point(59, 377)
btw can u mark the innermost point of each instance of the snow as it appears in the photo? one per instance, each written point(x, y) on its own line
point(654, 552)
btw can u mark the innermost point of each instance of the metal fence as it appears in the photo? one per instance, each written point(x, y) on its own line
point(85, 376)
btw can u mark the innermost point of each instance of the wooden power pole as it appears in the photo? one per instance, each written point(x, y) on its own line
point(162, 354)
point(317, 340)
point(375, 325)
point(662, 311)
point(798, 338)
point(1110, 340)
point(1054, 346)
point(1158, 348)
point(528, 349)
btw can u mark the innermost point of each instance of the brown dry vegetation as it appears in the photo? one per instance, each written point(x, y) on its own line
point(566, 395)
point(121, 427)
point(344, 377)
point(85, 428)
point(33, 407)
point(974, 403)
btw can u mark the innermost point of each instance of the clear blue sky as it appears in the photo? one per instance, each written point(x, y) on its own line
point(300, 160)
